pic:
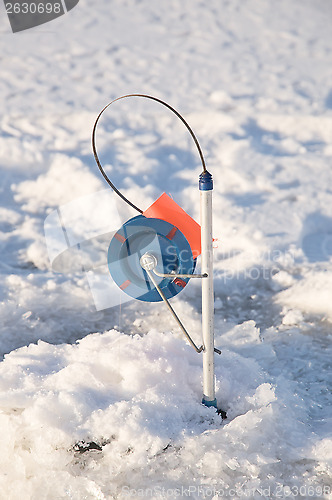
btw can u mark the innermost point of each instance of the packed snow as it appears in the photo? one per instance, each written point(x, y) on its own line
point(100, 398)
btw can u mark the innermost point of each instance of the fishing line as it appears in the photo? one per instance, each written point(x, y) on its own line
point(117, 191)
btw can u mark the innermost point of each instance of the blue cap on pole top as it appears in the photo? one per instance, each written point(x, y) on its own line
point(205, 181)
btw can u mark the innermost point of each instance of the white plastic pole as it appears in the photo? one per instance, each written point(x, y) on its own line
point(206, 186)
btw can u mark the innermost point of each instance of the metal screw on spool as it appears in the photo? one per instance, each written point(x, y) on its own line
point(148, 262)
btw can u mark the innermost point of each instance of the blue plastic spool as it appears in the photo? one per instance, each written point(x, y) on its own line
point(155, 236)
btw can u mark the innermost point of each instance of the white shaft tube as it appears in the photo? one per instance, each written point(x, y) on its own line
point(206, 186)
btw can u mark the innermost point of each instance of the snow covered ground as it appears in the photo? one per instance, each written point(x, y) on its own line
point(254, 80)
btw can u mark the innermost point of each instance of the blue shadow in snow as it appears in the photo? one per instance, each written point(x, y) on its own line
point(247, 199)
point(263, 140)
point(316, 238)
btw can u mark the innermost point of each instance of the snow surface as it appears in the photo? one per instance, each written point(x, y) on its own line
point(254, 80)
